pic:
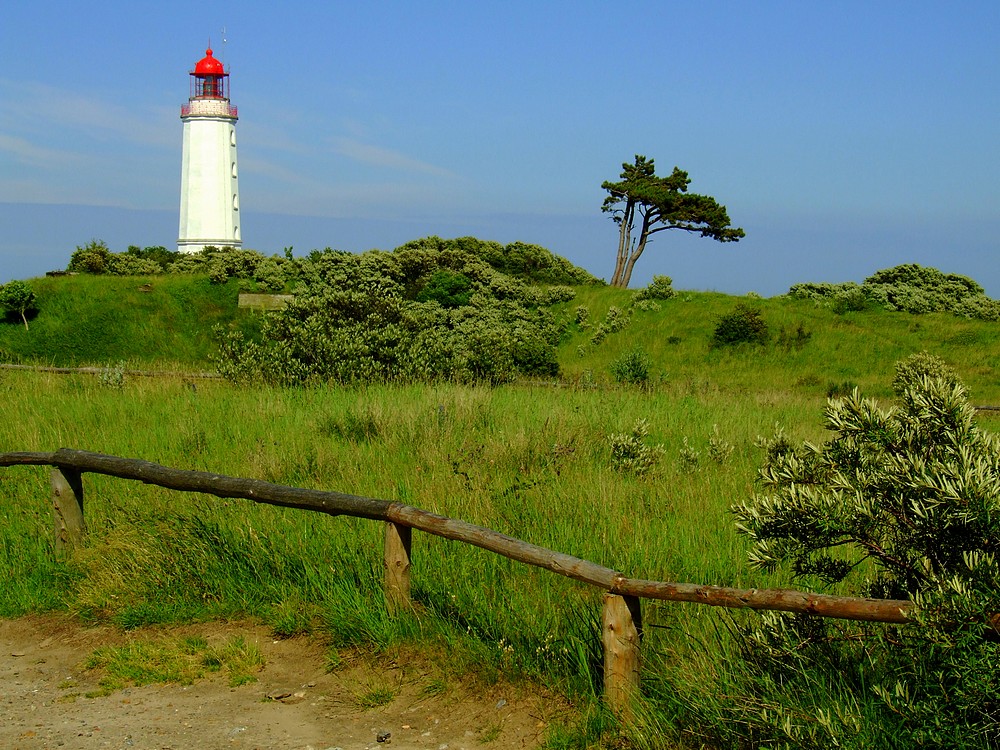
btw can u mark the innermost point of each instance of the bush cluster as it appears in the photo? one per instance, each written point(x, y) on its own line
point(903, 503)
point(744, 325)
point(906, 288)
point(96, 258)
point(430, 310)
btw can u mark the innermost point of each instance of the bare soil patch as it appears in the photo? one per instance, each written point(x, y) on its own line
point(295, 704)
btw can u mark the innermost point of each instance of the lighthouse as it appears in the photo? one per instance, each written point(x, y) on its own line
point(210, 197)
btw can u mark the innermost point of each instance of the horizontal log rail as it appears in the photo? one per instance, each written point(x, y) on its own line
point(337, 503)
point(622, 617)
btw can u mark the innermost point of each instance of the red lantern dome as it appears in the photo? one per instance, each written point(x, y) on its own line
point(209, 66)
point(209, 79)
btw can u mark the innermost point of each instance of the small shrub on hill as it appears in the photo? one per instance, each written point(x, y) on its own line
point(794, 338)
point(661, 287)
point(632, 368)
point(841, 389)
point(615, 320)
point(744, 325)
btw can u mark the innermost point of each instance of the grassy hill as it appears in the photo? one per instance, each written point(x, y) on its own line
point(832, 349)
point(95, 320)
point(98, 320)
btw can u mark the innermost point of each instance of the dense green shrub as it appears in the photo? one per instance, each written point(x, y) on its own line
point(522, 260)
point(268, 276)
point(744, 325)
point(902, 503)
point(447, 288)
point(429, 310)
point(93, 257)
point(96, 258)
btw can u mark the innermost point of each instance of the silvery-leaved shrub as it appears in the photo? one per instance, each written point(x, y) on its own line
point(631, 454)
point(907, 288)
point(902, 503)
point(661, 287)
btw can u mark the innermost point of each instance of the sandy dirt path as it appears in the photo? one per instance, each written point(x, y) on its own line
point(44, 703)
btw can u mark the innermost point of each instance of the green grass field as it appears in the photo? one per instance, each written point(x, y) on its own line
point(531, 460)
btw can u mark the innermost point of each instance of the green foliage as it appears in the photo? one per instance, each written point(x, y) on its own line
point(17, 300)
point(841, 389)
point(430, 310)
point(96, 258)
point(447, 288)
point(793, 338)
point(269, 276)
point(531, 263)
point(901, 503)
point(632, 368)
point(744, 325)
point(906, 288)
point(155, 254)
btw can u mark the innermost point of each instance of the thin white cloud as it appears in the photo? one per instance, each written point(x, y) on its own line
point(383, 157)
point(29, 103)
point(28, 153)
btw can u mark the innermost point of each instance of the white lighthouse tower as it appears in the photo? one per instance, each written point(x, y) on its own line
point(210, 197)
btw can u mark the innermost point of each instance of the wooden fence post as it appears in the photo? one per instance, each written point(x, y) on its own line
point(67, 506)
point(622, 632)
point(397, 566)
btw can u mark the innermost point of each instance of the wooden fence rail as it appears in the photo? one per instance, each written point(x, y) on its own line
point(622, 621)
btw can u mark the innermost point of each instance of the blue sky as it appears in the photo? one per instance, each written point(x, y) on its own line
point(843, 137)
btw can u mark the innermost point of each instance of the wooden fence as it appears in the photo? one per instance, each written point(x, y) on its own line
point(622, 614)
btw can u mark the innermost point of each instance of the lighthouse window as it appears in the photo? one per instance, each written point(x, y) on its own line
point(232, 136)
point(236, 203)
point(236, 232)
point(234, 169)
